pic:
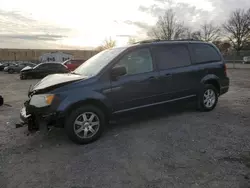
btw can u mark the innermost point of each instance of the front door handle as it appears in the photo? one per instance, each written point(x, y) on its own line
point(151, 78)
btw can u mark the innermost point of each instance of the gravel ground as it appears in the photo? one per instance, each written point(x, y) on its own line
point(160, 148)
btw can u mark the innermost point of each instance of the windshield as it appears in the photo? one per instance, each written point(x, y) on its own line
point(65, 62)
point(37, 66)
point(95, 64)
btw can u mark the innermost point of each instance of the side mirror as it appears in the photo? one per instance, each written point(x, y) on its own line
point(118, 71)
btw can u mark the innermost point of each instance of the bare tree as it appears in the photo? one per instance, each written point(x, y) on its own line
point(108, 43)
point(224, 46)
point(237, 28)
point(168, 27)
point(208, 33)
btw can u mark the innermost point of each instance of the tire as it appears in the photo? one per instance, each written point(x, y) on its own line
point(206, 103)
point(75, 123)
point(22, 77)
point(10, 71)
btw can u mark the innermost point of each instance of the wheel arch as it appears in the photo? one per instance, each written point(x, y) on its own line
point(213, 80)
point(95, 102)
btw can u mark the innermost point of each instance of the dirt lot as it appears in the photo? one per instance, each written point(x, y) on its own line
point(164, 148)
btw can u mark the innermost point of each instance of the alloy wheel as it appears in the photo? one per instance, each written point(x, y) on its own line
point(209, 98)
point(86, 125)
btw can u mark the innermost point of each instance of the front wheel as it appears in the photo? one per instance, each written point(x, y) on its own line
point(208, 98)
point(23, 77)
point(85, 124)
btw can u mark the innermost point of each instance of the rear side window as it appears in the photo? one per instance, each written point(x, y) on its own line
point(171, 56)
point(43, 66)
point(203, 53)
point(62, 68)
point(56, 66)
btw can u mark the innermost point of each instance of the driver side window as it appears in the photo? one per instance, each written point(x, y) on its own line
point(136, 62)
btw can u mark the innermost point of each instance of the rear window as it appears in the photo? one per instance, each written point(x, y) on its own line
point(203, 53)
point(171, 56)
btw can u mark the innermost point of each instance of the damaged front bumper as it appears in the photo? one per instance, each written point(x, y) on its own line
point(40, 118)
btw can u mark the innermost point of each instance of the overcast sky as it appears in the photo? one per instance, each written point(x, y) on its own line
point(86, 23)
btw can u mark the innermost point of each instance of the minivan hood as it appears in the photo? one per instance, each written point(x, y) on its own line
point(56, 80)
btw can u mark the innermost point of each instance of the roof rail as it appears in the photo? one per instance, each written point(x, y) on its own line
point(186, 39)
point(147, 41)
point(159, 40)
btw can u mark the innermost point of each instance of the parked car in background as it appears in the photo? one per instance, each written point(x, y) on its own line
point(246, 60)
point(6, 69)
point(72, 64)
point(18, 67)
point(3, 65)
point(125, 79)
point(43, 69)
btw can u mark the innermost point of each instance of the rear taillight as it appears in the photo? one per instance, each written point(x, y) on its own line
point(225, 69)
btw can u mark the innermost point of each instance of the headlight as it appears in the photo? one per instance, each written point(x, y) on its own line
point(42, 100)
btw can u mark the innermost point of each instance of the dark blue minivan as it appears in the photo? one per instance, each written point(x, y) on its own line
point(124, 79)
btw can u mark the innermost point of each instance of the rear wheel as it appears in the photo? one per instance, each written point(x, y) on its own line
point(208, 98)
point(85, 124)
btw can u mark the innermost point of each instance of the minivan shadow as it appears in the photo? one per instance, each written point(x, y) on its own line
point(151, 113)
point(127, 120)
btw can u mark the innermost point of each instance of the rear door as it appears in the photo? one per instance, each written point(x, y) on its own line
point(176, 74)
point(139, 87)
